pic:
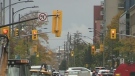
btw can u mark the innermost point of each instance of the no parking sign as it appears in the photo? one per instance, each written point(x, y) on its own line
point(42, 16)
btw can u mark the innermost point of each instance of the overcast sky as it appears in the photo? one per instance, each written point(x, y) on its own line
point(77, 16)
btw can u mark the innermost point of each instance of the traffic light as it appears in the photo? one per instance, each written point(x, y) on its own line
point(101, 47)
point(72, 53)
point(16, 32)
point(37, 54)
point(57, 22)
point(113, 33)
point(34, 35)
point(5, 31)
point(34, 49)
point(54, 21)
point(93, 50)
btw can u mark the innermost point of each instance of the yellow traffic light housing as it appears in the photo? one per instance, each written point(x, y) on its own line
point(101, 47)
point(54, 21)
point(16, 32)
point(37, 54)
point(57, 22)
point(5, 31)
point(113, 33)
point(34, 35)
point(72, 53)
point(93, 50)
point(34, 49)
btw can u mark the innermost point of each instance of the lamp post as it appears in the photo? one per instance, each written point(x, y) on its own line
point(89, 54)
point(28, 14)
point(13, 14)
point(4, 7)
point(100, 34)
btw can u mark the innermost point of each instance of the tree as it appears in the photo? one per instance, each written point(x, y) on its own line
point(23, 44)
point(63, 65)
point(112, 44)
point(127, 48)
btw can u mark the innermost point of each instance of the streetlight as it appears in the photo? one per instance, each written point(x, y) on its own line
point(3, 9)
point(13, 14)
point(101, 34)
point(88, 37)
point(28, 14)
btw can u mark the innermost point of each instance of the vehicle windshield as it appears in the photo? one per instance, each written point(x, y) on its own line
point(18, 70)
point(73, 72)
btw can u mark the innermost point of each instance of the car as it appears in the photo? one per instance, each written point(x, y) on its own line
point(72, 73)
point(49, 68)
point(104, 73)
point(62, 72)
point(99, 68)
point(77, 69)
point(55, 73)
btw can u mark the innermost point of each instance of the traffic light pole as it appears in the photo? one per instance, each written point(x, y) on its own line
point(103, 49)
point(22, 21)
point(18, 22)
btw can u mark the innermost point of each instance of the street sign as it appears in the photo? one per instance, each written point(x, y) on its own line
point(42, 16)
point(121, 60)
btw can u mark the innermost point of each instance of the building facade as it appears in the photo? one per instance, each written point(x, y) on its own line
point(111, 9)
point(126, 21)
point(98, 17)
point(132, 16)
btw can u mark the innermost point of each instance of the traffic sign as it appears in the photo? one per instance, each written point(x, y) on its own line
point(42, 16)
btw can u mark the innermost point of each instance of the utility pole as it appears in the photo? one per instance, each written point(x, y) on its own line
point(64, 50)
point(67, 51)
point(59, 55)
point(68, 48)
point(10, 12)
point(13, 21)
point(3, 12)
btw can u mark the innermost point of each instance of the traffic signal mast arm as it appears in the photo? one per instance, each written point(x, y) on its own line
point(23, 21)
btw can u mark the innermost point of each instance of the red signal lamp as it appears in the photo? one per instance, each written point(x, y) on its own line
point(34, 32)
point(5, 31)
point(93, 47)
point(113, 32)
